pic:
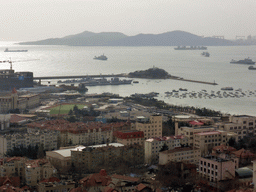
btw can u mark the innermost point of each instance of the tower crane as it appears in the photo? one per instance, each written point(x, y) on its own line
point(10, 61)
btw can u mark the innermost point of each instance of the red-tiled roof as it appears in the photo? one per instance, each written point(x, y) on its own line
point(51, 179)
point(77, 127)
point(196, 122)
point(242, 153)
point(96, 179)
point(16, 118)
point(125, 178)
point(224, 148)
point(141, 186)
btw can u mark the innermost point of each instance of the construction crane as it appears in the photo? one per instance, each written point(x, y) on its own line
point(10, 61)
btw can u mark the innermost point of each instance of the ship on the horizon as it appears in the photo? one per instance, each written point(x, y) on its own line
point(102, 57)
point(244, 61)
point(190, 48)
point(23, 50)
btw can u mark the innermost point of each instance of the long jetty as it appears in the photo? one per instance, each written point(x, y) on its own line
point(114, 75)
point(78, 76)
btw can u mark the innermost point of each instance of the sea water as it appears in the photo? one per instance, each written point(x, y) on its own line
point(190, 64)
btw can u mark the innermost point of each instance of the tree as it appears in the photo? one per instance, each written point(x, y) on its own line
point(70, 112)
point(164, 148)
point(40, 153)
point(232, 142)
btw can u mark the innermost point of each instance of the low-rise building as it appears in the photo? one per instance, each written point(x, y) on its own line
point(93, 158)
point(242, 125)
point(13, 166)
point(54, 184)
point(154, 145)
point(216, 169)
point(36, 170)
point(190, 131)
point(207, 140)
point(181, 154)
point(80, 133)
point(47, 138)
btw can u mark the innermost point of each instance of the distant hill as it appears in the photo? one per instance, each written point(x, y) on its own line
point(174, 38)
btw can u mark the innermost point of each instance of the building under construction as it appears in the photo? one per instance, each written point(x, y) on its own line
point(10, 79)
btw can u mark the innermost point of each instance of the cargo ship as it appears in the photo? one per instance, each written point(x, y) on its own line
point(190, 48)
point(7, 50)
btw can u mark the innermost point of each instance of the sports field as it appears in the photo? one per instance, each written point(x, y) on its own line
point(64, 109)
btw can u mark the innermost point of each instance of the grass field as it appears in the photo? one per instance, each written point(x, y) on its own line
point(64, 109)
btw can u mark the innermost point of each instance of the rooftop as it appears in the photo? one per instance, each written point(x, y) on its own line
point(67, 152)
point(209, 133)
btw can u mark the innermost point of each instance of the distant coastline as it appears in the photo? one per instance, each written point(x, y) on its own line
point(173, 38)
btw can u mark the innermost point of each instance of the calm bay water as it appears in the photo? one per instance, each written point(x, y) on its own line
point(66, 60)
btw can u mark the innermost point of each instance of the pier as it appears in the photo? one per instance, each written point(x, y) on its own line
point(113, 75)
point(77, 76)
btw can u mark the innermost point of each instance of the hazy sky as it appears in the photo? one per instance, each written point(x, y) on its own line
point(22, 20)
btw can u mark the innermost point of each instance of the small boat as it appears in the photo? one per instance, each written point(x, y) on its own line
point(244, 61)
point(135, 81)
point(206, 54)
point(227, 88)
point(101, 57)
point(251, 68)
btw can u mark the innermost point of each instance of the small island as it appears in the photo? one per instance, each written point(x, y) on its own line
point(151, 73)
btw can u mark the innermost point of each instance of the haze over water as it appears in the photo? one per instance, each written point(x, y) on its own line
point(65, 60)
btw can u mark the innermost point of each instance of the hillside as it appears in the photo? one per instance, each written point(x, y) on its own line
point(151, 73)
point(174, 38)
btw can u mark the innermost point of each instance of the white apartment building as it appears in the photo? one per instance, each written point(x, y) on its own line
point(47, 138)
point(151, 127)
point(154, 145)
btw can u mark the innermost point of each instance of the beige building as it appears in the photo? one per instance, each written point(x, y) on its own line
point(151, 127)
point(129, 137)
point(28, 101)
point(154, 145)
point(4, 121)
point(8, 101)
point(92, 158)
point(13, 166)
point(242, 125)
point(36, 170)
point(216, 169)
point(182, 154)
point(61, 159)
point(13, 101)
point(80, 133)
point(47, 138)
point(207, 140)
point(189, 132)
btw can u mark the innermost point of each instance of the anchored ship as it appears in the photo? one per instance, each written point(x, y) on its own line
point(244, 61)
